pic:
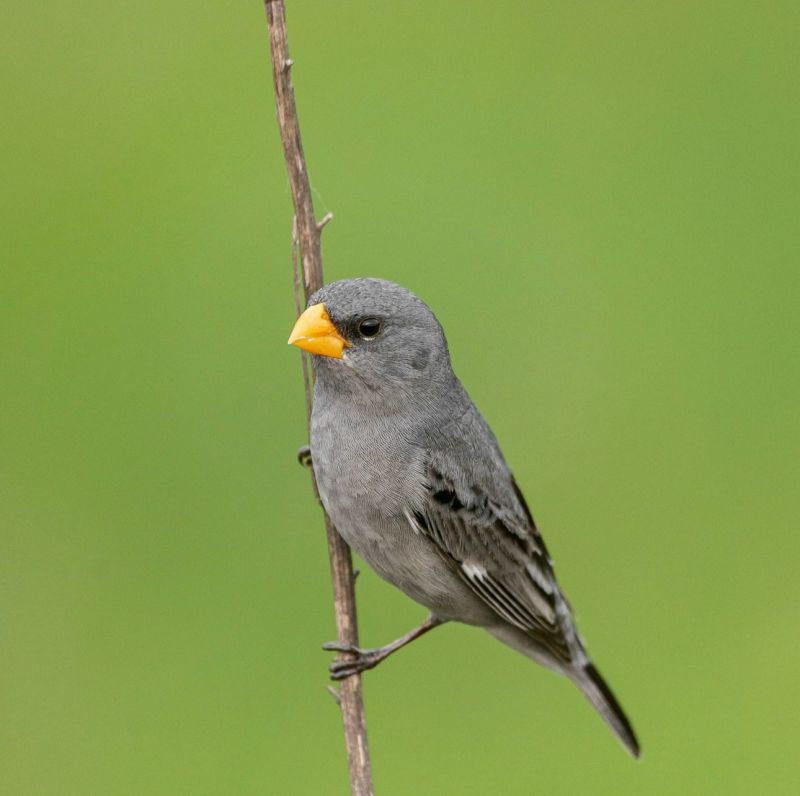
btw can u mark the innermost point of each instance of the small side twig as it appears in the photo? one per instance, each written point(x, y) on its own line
point(306, 243)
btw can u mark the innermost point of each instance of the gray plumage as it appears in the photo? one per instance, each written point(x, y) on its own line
point(414, 480)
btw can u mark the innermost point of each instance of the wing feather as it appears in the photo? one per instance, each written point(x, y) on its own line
point(499, 553)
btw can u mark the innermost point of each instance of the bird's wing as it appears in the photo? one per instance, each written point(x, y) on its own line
point(489, 537)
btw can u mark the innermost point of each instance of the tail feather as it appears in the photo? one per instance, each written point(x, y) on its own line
point(596, 690)
point(584, 675)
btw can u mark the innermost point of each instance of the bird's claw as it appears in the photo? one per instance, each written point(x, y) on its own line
point(363, 660)
point(341, 670)
point(304, 456)
point(337, 646)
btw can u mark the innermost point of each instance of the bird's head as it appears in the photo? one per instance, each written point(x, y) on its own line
point(375, 335)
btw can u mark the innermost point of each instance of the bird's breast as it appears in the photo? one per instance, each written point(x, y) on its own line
point(366, 469)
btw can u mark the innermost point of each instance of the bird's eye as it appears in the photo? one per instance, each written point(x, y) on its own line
point(369, 328)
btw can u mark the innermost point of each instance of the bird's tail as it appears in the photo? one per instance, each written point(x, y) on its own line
point(595, 689)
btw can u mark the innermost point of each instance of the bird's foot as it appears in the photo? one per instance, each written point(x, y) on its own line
point(304, 457)
point(363, 660)
point(369, 659)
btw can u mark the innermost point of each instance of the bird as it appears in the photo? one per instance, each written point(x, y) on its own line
point(414, 480)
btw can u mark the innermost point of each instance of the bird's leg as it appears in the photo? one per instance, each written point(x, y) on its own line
point(369, 659)
point(304, 456)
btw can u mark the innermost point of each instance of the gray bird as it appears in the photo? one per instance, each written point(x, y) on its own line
point(414, 480)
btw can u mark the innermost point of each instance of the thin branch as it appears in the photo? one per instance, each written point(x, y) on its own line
point(298, 308)
point(308, 241)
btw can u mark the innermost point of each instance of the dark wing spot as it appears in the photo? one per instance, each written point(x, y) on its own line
point(421, 521)
point(448, 497)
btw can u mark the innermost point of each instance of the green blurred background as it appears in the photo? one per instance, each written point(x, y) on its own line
point(599, 200)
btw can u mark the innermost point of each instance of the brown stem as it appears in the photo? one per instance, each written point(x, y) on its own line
point(308, 241)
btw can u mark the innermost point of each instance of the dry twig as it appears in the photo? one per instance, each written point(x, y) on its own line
point(306, 239)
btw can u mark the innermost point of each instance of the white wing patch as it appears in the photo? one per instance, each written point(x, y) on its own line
point(499, 598)
point(540, 579)
point(412, 521)
point(473, 571)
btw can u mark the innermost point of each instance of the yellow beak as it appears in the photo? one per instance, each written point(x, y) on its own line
point(315, 333)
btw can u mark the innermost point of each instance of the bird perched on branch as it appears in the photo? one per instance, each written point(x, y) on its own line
point(414, 480)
